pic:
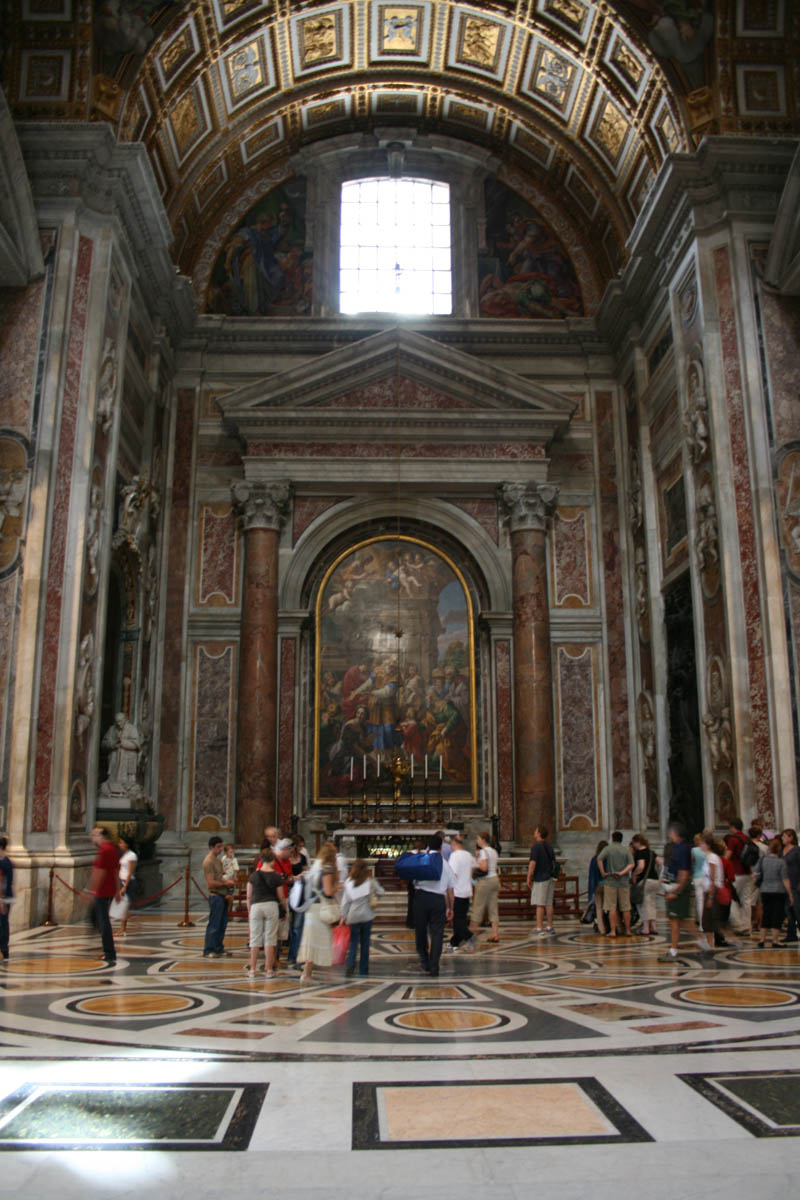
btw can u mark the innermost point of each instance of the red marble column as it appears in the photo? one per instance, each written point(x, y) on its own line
point(534, 757)
point(262, 507)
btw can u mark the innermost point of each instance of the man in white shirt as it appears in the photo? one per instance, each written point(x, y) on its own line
point(433, 906)
point(461, 863)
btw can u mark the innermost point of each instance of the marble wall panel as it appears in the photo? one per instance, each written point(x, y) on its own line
point(40, 807)
point(618, 699)
point(213, 736)
point(179, 524)
point(762, 801)
point(575, 676)
point(20, 319)
point(505, 739)
point(286, 706)
point(482, 511)
point(511, 451)
point(780, 319)
point(218, 551)
point(306, 509)
point(570, 559)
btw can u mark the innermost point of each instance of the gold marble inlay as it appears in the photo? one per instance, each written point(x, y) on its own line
point(53, 964)
point(448, 1019)
point(509, 1110)
point(722, 996)
point(435, 993)
point(135, 1004)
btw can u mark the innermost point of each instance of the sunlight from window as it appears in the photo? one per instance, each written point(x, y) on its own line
point(394, 248)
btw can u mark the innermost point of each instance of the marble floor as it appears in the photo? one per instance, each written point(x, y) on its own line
point(573, 1059)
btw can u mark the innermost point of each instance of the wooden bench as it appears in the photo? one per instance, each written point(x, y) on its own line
point(515, 896)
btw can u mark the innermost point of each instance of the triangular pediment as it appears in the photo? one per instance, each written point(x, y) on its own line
point(395, 370)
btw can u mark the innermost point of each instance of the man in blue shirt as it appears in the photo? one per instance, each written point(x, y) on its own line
point(678, 892)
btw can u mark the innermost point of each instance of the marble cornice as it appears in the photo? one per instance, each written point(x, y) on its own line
point(84, 165)
point(456, 426)
point(727, 177)
point(20, 248)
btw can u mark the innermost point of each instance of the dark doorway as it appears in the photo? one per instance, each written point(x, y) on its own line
point(686, 776)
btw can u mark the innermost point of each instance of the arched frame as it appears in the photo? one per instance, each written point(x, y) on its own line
point(446, 751)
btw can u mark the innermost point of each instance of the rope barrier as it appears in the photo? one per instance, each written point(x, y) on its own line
point(134, 903)
point(200, 890)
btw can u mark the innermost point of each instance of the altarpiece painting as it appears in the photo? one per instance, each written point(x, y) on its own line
point(394, 659)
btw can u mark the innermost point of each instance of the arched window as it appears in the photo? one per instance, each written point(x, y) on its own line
point(394, 247)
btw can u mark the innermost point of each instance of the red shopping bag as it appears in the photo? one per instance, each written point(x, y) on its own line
point(341, 941)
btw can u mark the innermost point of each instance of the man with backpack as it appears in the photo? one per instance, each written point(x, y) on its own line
point(542, 872)
point(433, 906)
point(743, 854)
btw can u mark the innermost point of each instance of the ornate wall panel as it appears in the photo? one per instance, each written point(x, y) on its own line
point(571, 559)
point(577, 759)
point(505, 739)
point(286, 710)
point(211, 770)
point(218, 551)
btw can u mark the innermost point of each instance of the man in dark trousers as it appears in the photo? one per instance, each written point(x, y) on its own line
point(6, 896)
point(433, 906)
point(103, 888)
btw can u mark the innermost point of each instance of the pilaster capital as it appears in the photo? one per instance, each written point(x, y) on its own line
point(529, 506)
point(261, 505)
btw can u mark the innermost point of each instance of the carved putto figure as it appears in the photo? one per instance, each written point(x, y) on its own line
point(107, 384)
point(93, 538)
point(641, 583)
point(707, 540)
point(695, 419)
point(647, 733)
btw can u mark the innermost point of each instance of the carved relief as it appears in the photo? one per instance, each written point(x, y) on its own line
point(261, 505)
point(140, 508)
point(707, 536)
point(695, 419)
point(94, 521)
point(646, 722)
point(642, 598)
point(717, 719)
point(635, 503)
point(107, 384)
point(788, 495)
point(84, 689)
point(14, 475)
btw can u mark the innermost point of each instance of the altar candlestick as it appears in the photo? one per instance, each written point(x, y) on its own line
point(378, 773)
point(426, 766)
point(440, 769)
point(365, 766)
point(351, 768)
point(412, 766)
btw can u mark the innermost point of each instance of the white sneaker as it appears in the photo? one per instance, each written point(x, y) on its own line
point(251, 974)
point(542, 932)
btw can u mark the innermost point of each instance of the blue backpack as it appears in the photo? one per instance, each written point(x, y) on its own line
point(427, 866)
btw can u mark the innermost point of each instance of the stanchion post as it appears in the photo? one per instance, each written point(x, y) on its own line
point(50, 919)
point(186, 923)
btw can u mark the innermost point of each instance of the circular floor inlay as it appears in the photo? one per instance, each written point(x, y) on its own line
point(450, 1019)
point(731, 996)
point(136, 1004)
point(54, 964)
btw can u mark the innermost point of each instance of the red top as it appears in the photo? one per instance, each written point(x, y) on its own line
point(736, 842)
point(107, 861)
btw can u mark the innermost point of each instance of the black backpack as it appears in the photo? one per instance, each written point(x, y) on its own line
point(749, 855)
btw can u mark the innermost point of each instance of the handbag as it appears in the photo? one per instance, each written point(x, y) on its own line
point(341, 942)
point(329, 911)
point(118, 909)
point(374, 898)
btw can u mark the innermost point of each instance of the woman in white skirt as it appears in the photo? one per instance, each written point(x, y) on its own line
point(316, 945)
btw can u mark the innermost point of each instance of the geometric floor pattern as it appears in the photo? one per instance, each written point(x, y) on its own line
point(568, 1045)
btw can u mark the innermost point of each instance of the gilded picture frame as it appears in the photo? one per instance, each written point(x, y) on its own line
point(394, 672)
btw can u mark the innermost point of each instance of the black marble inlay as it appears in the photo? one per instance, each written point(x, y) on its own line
point(774, 1095)
point(366, 1121)
point(119, 1116)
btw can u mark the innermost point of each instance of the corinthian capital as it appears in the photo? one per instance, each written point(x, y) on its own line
point(261, 505)
point(529, 506)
